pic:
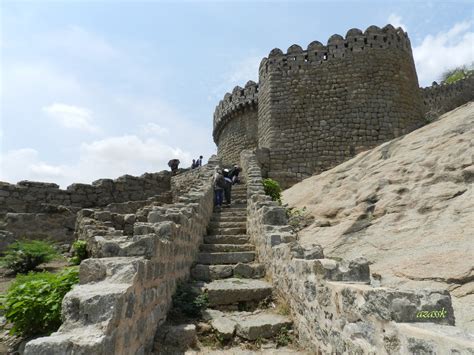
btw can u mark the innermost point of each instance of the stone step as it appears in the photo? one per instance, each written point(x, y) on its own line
point(226, 258)
point(233, 290)
point(226, 239)
point(208, 273)
point(239, 188)
point(212, 248)
point(260, 325)
point(248, 325)
point(228, 224)
point(236, 350)
point(227, 231)
point(220, 218)
point(233, 209)
point(230, 213)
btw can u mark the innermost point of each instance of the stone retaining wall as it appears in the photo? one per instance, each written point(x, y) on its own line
point(335, 308)
point(126, 287)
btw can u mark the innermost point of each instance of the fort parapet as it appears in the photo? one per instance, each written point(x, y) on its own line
point(439, 99)
point(314, 108)
point(235, 122)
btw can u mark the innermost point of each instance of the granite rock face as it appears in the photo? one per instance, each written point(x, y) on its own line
point(407, 206)
point(337, 307)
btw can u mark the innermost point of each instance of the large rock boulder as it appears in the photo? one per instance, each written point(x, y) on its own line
point(406, 206)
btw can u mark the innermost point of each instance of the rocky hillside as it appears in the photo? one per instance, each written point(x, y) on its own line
point(407, 206)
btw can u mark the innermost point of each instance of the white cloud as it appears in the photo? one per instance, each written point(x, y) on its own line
point(43, 169)
point(79, 43)
point(245, 70)
point(106, 158)
point(443, 51)
point(130, 149)
point(396, 21)
point(239, 73)
point(71, 116)
point(152, 128)
point(24, 164)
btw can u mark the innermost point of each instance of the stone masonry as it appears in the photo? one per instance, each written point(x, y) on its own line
point(314, 108)
point(235, 122)
point(140, 251)
point(336, 309)
point(38, 210)
point(439, 99)
point(227, 272)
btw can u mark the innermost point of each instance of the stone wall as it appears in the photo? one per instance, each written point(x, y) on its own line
point(126, 287)
point(321, 106)
point(439, 99)
point(31, 197)
point(335, 307)
point(235, 123)
point(37, 210)
point(183, 182)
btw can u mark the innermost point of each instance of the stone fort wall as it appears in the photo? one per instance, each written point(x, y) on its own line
point(321, 106)
point(40, 210)
point(439, 99)
point(31, 196)
point(235, 123)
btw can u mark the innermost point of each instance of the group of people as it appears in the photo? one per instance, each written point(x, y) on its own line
point(174, 163)
point(223, 181)
point(196, 163)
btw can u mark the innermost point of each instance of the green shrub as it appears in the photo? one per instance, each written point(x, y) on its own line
point(187, 302)
point(283, 338)
point(33, 302)
point(298, 218)
point(24, 256)
point(459, 73)
point(272, 189)
point(79, 251)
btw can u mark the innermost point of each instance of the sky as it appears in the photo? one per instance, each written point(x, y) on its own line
point(98, 89)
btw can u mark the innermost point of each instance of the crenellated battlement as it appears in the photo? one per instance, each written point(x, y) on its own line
point(239, 99)
point(316, 107)
point(337, 47)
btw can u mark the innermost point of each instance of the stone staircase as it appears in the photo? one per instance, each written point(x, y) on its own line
point(239, 312)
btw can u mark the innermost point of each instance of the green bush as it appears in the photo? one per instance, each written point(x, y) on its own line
point(24, 256)
point(79, 251)
point(272, 189)
point(33, 302)
point(459, 73)
point(187, 302)
point(284, 338)
point(298, 218)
